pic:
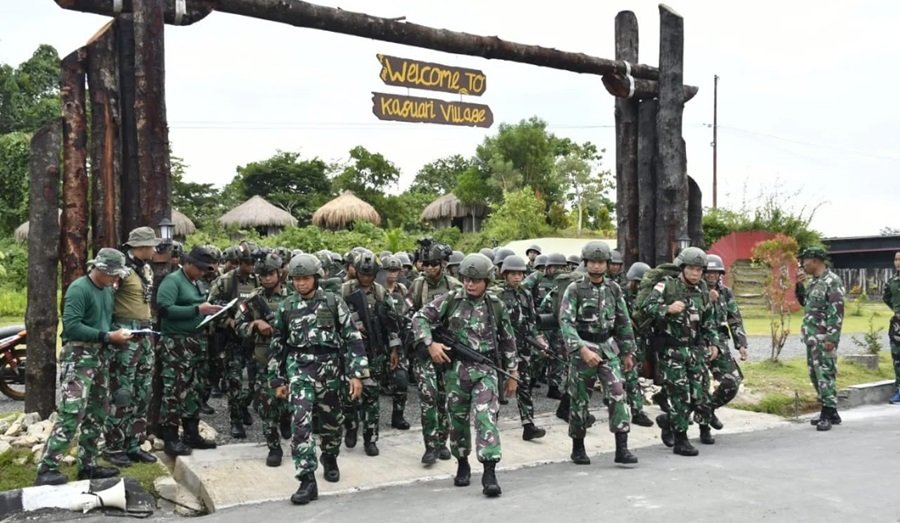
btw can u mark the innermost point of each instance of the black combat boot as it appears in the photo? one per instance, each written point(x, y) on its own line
point(835, 418)
point(579, 455)
point(50, 477)
point(274, 457)
point(173, 446)
point(463, 473)
point(237, 430)
point(330, 468)
point(661, 400)
point(489, 486)
point(191, 435)
point(350, 438)
point(118, 458)
point(141, 456)
point(683, 445)
point(824, 423)
point(623, 455)
point(430, 456)
point(206, 409)
point(369, 444)
point(666, 434)
point(246, 417)
point(706, 436)
point(444, 453)
point(285, 425)
point(562, 411)
point(308, 490)
point(589, 421)
point(398, 421)
point(641, 419)
point(530, 432)
point(715, 422)
point(554, 393)
point(96, 472)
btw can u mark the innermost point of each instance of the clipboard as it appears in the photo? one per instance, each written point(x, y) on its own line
point(211, 317)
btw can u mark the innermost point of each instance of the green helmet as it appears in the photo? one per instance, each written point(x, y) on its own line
point(245, 252)
point(392, 263)
point(616, 257)
point(535, 247)
point(327, 261)
point(272, 262)
point(513, 264)
point(488, 253)
point(365, 263)
point(714, 263)
point(476, 266)
point(437, 252)
point(501, 255)
point(540, 261)
point(216, 253)
point(305, 265)
point(814, 252)
point(230, 254)
point(596, 251)
point(691, 256)
point(573, 259)
point(404, 259)
point(455, 258)
point(556, 260)
point(636, 271)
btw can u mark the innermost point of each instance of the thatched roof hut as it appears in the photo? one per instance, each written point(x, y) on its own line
point(259, 214)
point(448, 211)
point(183, 225)
point(342, 211)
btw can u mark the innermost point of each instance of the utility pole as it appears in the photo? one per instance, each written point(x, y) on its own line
point(715, 141)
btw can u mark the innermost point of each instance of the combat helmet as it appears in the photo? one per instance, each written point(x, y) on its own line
point(487, 253)
point(305, 265)
point(535, 247)
point(271, 263)
point(513, 263)
point(455, 258)
point(691, 256)
point(436, 252)
point(714, 263)
point(230, 254)
point(392, 263)
point(813, 252)
point(595, 251)
point(540, 261)
point(573, 259)
point(177, 250)
point(476, 266)
point(501, 255)
point(556, 260)
point(404, 259)
point(636, 271)
point(365, 263)
point(616, 257)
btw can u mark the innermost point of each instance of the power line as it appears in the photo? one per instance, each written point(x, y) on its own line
point(812, 144)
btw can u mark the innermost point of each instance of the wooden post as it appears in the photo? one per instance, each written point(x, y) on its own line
point(150, 112)
point(43, 229)
point(695, 214)
point(74, 219)
point(103, 80)
point(130, 185)
point(620, 86)
point(646, 168)
point(177, 12)
point(627, 212)
point(671, 162)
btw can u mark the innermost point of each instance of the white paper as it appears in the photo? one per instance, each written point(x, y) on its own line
point(214, 316)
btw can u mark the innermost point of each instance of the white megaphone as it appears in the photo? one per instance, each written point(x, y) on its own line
point(114, 497)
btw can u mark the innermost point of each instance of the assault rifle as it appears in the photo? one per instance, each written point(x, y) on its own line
point(546, 352)
point(462, 351)
point(357, 300)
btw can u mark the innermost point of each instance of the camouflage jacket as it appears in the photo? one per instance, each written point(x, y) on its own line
point(728, 318)
point(383, 316)
point(695, 325)
point(823, 312)
point(315, 329)
point(423, 291)
point(481, 323)
point(891, 295)
point(400, 294)
point(522, 314)
point(250, 310)
point(538, 285)
point(598, 310)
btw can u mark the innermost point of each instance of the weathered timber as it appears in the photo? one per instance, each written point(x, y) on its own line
point(695, 214)
point(626, 112)
point(130, 185)
point(150, 112)
point(103, 81)
point(671, 162)
point(74, 219)
point(646, 168)
point(193, 10)
point(40, 313)
point(618, 86)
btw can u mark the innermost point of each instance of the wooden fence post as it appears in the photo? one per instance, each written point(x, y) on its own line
point(627, 215)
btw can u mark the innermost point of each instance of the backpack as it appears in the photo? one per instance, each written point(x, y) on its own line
point(562, 281)
point(648, 282)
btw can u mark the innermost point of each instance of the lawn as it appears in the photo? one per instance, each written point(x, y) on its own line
point(856, 318)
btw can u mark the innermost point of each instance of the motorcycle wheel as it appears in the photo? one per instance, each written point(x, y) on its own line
point(12, 380)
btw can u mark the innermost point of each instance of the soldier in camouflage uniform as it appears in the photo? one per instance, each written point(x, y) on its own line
point(432, 284)
point(240, 282)
point(210, 371)
point(540, 284)
point(86, 335)
point(596, 328)
point(891, 298)
point(316, 346)
point(614, 271)
point(728, 320)
point(398, 363)
point(131, 364)
point(253, 322)
point(181, 306)
point(532, 253)
point(823, 316)
point(380, 338)
point(686, 322)
point(641, 346)
point(523, 317)
point(478, 319)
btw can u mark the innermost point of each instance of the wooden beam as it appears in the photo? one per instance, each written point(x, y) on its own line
point(103, 81)
point(43, 229)
point(129, 179)
point(639, 88)
point(626, 112)
point(193, 11)
point(695, 214)
point(646, 168)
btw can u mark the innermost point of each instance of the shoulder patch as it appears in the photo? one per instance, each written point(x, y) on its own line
point(659, 287)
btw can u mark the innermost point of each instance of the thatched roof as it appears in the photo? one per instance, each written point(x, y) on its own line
point(183, 224)
point(449, 206)
point(21, 232)
point(257, 212)
point(343, 211)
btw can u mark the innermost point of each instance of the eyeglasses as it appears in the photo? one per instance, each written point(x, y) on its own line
point(430, 263)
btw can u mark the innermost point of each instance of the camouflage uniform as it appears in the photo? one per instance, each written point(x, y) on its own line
point(596, 313)
point(551, 289)
point(308, 357)
point(823, 315)
point(641, 344)
point(523, 318)
point(400, 376)
point(724, 368)
point(891, 298)
point(472, 386)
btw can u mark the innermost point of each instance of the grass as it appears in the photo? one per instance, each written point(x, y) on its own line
point(856, 318)
point(784, 388)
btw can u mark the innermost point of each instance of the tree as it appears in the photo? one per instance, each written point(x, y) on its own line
point(201, 202)
point(15, 150)
point(439, 177)
point(29, 94)
point(778, 254)
point(402, 211)
point(889, 231)
point(368, 175)
point(299, 186)
point(521, 216)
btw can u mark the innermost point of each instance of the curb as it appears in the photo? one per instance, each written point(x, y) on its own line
point(874, 393)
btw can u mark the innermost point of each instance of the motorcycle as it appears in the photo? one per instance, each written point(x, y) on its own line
point(12, 361)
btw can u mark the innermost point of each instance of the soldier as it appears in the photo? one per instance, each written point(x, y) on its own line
point(86, 335)
point(559, 368)
point(591, 314)
point(253, 322)
point(476, 318)
point(212, 372)
point(823, 316)
point(680, 306)
point(380, 338)
point(131, 364)
point(891, 298)
point(453, 264)
point(540, 284)
point(307, 366)
point(177, 251)
point(573, 262)
point(239, 282)
point(523, 317)
point(641, 346)
point(430, 377)
point(615, 273)
point(398, 363)
point(181, 306)
point(532, 253)
point(729, 323)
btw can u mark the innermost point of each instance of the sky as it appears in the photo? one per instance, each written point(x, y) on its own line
point(805, 100)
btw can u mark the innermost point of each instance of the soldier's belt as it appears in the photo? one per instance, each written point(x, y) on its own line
point(594, 337)
point(143, 324)
point(316, 350)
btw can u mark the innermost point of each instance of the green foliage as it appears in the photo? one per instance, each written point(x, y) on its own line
point(201, 202)
point(472, 187)
point(369, 175)
point(779, 253)
point(871, 341)
point(29, 94)
point(297, 185)
point(521, 216)
point(14, 154)
point(439, 177)
point(402, 211)
point(588, 188)
point(14, 256)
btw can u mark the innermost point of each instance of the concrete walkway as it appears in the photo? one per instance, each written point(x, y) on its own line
point(235, 475)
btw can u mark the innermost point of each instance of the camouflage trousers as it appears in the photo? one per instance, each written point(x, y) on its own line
point(398, 380)
point(432, 401)
point(473, 387)
point(686, 383)
point(130, 384)
point(894, 338)
point(633, 389)
point(181, 358)
point(822, 371)
point(557, 371)
point(582, 379)
point(524, 398)
point(366, 410)
point(314, 387)
point(240, 392)
point(84, 402)
point(269, 408)
point(725, 370)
